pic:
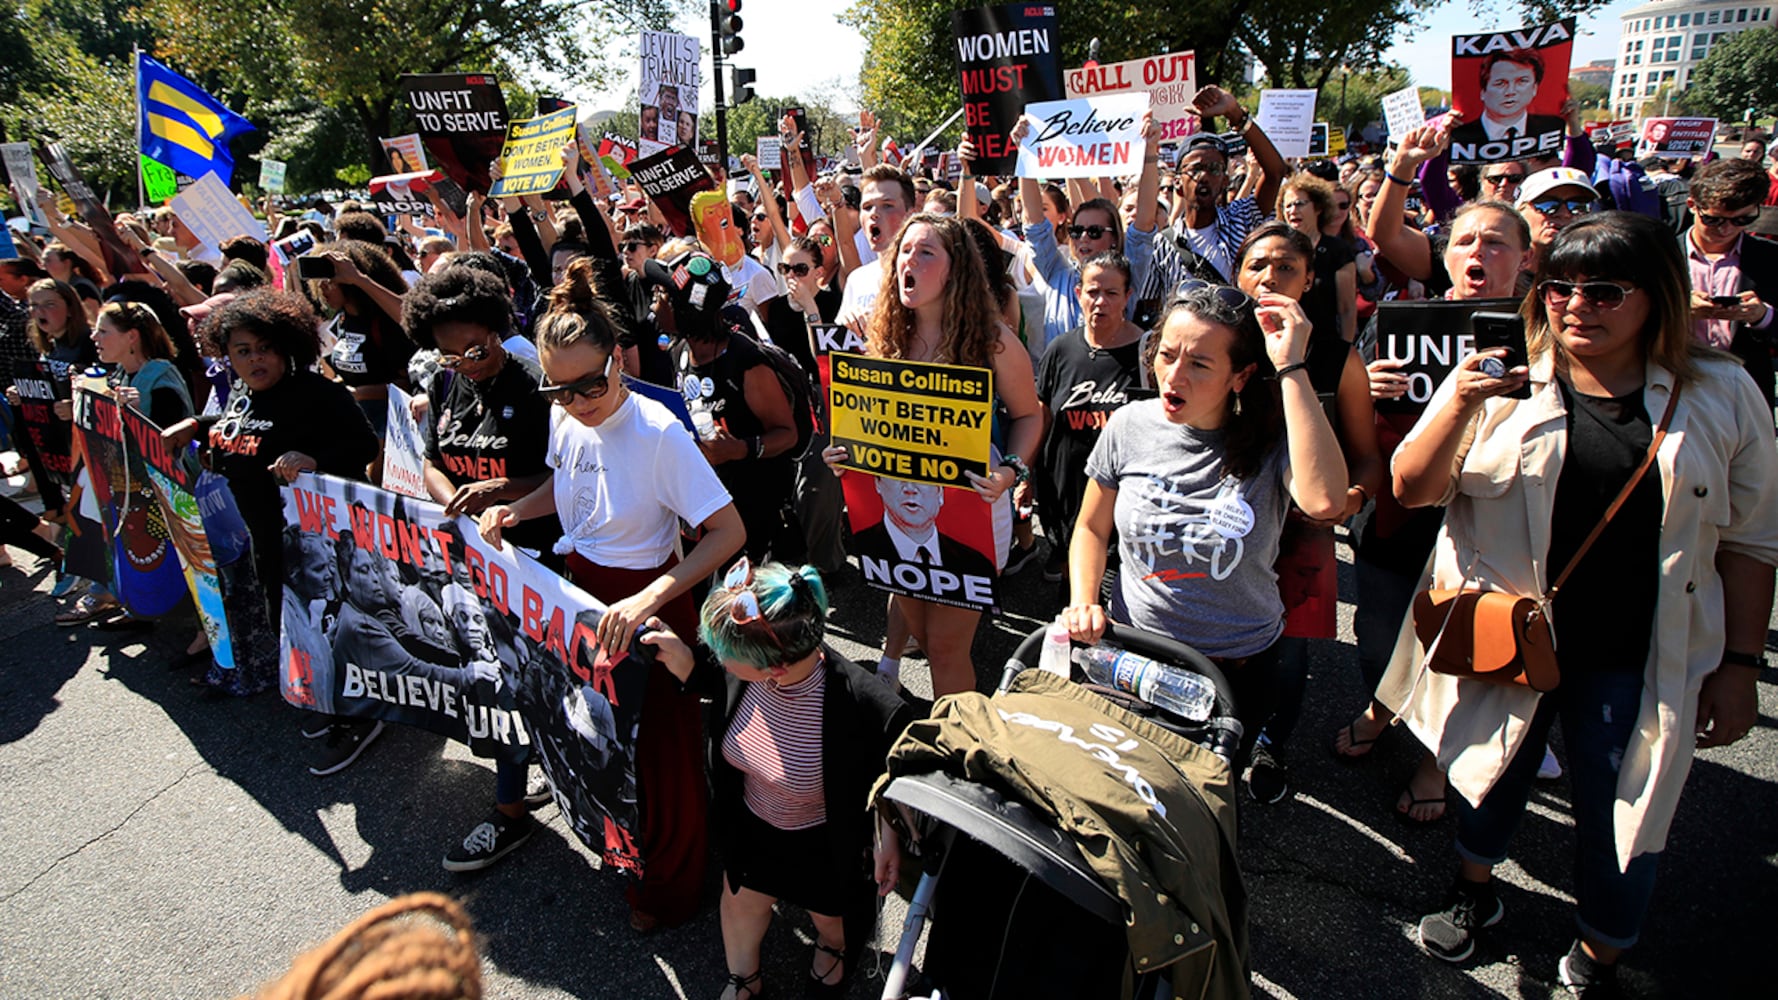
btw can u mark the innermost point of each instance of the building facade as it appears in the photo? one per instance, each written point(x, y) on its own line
point(1664, 40)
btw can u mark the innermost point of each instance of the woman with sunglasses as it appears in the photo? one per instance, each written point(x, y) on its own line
point(1343, 225)
point(1658, 629)
point(804, 733)
point(1306, 203)
point(625, 472)
point(1196, 485)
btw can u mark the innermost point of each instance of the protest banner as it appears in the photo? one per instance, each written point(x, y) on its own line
point(213, 214)
point(1317, 142)
point(1171, 81)
point(406, 154)
point(531, 161)
point(1085, 137)
point(40, 385)
point(22, 174)
point(159, 182)
point(1676, 136)
point(403, 194)
point(669, 91)
point(922, 540)
point(1287, 117)
point(120, 260)
point(1429, 338)
point(432, 627)
point(145, 572)
point(1510, 87)
point(271, 176)
point(613, 150)
point(1009, 56)
point(462, 119)
point(669, 179)
point(404, 453)
point(911, 419)
point(769, 150)
point(1403, 112)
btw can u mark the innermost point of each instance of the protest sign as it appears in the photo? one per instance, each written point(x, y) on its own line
point(769, 150)
point(271, 176)
point(213, 214)
point(669, 91)
point(531, 162)
point(616, 152)
point(922, 540)
point(159, 182)
point(400, 194)
point(1317, 142)
point(293, 246)
point(828, 339)
point(404, 454)
point(40, 385)
point(1403, 112)
point(709, 154)
point(23, 175)
point(1677, 136)
point(910, 419)
point(433, 627)
point(8, 249)
point(406, 153)
point(669, 179)
point(145, 572)
point(462, 118)
point(1510, 87)
point(1086, 137)
point(1171, 81)
point(1287, 117)
point(1010, 56)
point(1429, 338)
point(120, 260)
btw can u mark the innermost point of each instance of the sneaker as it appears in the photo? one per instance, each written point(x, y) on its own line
point(345, 741)
point(1055, 566)
point(1267, 779)
point(315, 725)
point(1018, 558)
point(537, 789)
point(492, 839)
point(1587, 978)
point(1449, 934)
point(1551, 768)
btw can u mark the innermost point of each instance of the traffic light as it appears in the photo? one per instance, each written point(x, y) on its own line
point(728, 27)
point(741, 87)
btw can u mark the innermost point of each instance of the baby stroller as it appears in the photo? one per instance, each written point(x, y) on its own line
point(1021, 910)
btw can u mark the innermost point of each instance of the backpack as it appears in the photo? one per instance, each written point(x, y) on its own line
point(798, 385)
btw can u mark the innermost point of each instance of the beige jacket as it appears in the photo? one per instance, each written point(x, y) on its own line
point(1719, 477)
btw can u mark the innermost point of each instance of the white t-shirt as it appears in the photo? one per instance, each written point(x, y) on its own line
point(1204, 243)
point(861, 293)
point(760, 285)
point(622, 487)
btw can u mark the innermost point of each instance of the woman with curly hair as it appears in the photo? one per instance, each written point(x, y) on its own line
point(369, 351)
point(935, 305)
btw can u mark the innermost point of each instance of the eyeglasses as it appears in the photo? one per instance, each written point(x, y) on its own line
point(743, 608)
point(793, 270)
point(1088, 232)
point(823, 239)
point(1732, 221)
point(592, 387)
point(1228, 295)
point(453, 361)
point(1499, 179)
point(631, 246)
point(1204, 170)
point(1575, 206)
point(760, 217)
point(1598, 294)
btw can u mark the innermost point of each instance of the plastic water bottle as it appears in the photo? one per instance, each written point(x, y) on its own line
point(1054, 657)
point(1180, 692)
point(703, 422)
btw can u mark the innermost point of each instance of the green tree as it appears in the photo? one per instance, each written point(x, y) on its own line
point(1740, 72)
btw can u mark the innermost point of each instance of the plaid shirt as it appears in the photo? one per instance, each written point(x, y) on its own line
point(1233, 222)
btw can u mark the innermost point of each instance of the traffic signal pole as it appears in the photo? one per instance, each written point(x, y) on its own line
point(717, 12)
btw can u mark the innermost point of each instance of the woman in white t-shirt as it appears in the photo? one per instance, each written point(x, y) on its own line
point(625, 473)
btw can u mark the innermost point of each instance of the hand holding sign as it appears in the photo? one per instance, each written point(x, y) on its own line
point(1387, 381)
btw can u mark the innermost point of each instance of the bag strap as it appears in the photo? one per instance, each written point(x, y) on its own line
point(1623, 495)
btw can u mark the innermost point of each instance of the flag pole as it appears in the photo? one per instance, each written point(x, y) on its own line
point(136, 74)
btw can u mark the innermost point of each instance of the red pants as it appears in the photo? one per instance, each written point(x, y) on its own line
point(675, 798)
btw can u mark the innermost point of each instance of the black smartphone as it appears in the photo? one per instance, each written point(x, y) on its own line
point(1501, 329)
point(312, 268)
point(1725, 301)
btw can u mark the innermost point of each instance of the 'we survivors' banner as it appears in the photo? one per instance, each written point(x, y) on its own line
point(1010, 56)
point(392, 611)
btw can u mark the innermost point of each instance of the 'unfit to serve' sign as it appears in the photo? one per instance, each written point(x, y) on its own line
point(911, 420)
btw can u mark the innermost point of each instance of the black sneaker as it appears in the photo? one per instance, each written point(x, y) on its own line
point(492, 839)
point(1587, 978)
point(537, 790)
point(345, 741)
point(1055, 566)
point(316, 725)
point(1469, 906)
point(1018, 558)
point(1267, 779)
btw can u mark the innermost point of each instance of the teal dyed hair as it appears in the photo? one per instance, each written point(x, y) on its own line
point(792, 601)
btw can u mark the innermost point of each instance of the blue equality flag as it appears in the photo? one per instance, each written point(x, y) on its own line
point(182, 126)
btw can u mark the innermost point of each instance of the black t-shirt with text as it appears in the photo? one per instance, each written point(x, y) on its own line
point(498, 429)
point(1081, 385)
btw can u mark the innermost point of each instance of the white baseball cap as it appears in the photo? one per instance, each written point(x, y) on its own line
point(1543, 182)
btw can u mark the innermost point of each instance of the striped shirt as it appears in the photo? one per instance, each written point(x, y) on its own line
point(775, 742)
point(1233, 222)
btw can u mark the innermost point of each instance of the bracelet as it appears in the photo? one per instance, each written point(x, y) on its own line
point(1734, 659)
point(1366, 494)
point(1287, 369)
point(759, 447)
point(1398, 180)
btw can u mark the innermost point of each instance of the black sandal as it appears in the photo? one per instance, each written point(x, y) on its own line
point(754, 985)
point(817, 987)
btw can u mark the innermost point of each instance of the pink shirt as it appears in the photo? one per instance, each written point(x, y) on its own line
point(775, 742)
point(1721, 276)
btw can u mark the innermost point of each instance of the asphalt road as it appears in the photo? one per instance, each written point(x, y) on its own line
point(155, 843)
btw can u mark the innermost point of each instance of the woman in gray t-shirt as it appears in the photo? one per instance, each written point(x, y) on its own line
point(1197, 482)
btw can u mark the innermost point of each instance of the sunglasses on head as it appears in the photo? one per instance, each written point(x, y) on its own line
point(592, 387)
point(1575, 206)
point(1733, 221)
point(453, 361)
point(793, 270)
point(1228, 295)
point(743, 607)
point(1505, 178)
point(1088, 232)
point(1598, 294)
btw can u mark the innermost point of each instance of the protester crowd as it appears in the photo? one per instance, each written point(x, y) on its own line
point(1201, 336)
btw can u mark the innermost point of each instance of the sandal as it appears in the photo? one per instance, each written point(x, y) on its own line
point(1364, 747)
point(754, 985)
point(90, 607)
point(817, 987)
point(1407, 815)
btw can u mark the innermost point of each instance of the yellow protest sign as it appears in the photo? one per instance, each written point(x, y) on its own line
point(912, 420)
point(531, 161)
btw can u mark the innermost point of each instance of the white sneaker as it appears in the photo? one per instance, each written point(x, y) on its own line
point(1551, 768)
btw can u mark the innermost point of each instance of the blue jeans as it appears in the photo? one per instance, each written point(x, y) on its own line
point(1384, 597)
point(1598, 710)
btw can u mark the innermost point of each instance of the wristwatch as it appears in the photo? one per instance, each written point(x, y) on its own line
point(1021, 471)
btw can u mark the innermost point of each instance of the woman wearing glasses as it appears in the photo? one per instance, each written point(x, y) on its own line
point(1196, 485)
point(1659, 627)
point(625, 472)
point(804, 734)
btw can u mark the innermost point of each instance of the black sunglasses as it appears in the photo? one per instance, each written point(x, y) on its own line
point(1228, 295)
point(1734, 221)
point(1088, 232)
point(1505, 178)
point(796, 270)
point(592, 387)
point(1575, 206)
point(454, 361)
point(630, 246)
point(1598, 294)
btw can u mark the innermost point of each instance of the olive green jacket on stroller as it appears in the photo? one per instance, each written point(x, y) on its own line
point(1152, 813)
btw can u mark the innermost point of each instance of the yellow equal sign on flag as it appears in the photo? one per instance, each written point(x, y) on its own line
point(179, 132)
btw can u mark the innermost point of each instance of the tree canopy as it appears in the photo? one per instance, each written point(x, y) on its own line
point(1740, 72)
